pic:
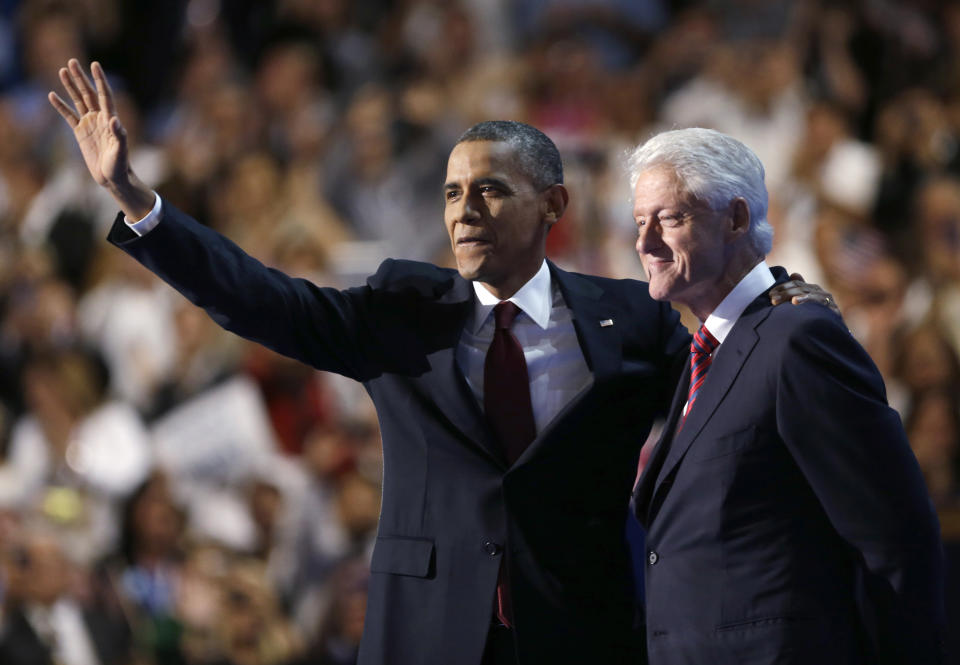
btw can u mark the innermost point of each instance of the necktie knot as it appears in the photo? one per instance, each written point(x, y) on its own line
point(703, 343)
point(504, 313)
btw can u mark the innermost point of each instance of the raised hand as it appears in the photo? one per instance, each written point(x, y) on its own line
point(101, 136)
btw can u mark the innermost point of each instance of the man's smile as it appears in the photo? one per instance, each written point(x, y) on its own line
point(658, 265)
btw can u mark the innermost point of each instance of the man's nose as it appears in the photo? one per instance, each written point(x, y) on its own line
point(648, 238)
point(470, 210)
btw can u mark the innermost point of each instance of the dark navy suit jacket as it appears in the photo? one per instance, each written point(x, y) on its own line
point(788, 521)
point(452, 509)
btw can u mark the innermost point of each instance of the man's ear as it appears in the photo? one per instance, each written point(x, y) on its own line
point(739, 217)
point(554, 203)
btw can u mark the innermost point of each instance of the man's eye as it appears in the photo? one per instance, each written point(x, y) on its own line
point(451, 195)
point(669, 220)
point(490, 190)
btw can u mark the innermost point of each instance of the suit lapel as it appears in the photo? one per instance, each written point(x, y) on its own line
point(729, 360)
point(448, 386)
point(596, 324)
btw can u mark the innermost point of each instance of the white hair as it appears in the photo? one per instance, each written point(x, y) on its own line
point(713, 167)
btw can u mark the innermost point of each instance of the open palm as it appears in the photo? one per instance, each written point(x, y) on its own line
point(93, 118)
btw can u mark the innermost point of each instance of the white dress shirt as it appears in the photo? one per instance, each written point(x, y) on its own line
point(147, 224)
point(556, 366)
point(721, 320)
point(544, 327)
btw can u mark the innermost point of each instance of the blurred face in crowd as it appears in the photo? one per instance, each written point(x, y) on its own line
point(682, 241)
point(496, 218)
point(358, 505)
point(37, 571)
point(927, 361)
point(266, 504)
point(157, 520)
point(883, 289)
point(327, 453)
point(938, 204)
point(932, 430)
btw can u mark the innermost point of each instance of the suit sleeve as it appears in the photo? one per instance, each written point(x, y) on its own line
point(833, 416)
point(323, 327)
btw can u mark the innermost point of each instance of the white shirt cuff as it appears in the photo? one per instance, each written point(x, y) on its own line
point(148, 223)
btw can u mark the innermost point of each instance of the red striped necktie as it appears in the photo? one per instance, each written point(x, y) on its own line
point(701, 356)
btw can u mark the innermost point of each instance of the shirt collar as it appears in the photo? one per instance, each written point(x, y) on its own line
point(755, 282)
point(534, 298)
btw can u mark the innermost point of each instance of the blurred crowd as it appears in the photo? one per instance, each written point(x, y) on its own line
point(170, 494)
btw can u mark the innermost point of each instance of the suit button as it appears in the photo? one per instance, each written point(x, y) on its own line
point(491, 548)
point(653, 557)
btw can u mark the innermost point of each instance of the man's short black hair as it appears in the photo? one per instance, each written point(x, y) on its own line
point(537, 154)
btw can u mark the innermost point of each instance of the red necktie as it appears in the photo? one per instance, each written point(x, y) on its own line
point(506, 401)
point(701, 357)
point(506, 387)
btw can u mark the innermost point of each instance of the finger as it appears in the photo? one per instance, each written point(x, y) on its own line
point(120, 135)
point(832, 305)
point(104, 93)
point(71, 89)
point(784, 294)
point(802, 288)
point(64, 109)
point(117, 128)
point(83, 83)
point(820, 298)
point(797, 277)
